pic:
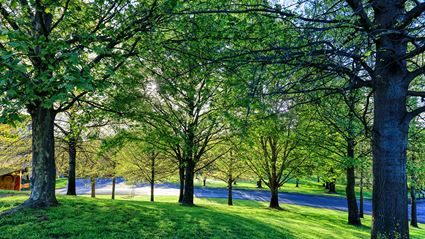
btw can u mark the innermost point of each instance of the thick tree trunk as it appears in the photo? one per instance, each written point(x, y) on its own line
point(188, 184)
point(353, 211)
point(390, 126)
point(113, 187)
point(43, 177)
point(413, 211)
point(93, 187)
point(274, 200)
point(72, 154)
point(230, 192)
point(181, 176)
point(361, 214)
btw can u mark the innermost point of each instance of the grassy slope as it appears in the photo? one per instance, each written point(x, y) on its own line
point(82, 217)
point(305, 187)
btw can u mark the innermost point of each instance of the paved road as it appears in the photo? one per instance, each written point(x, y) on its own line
point(104, 187)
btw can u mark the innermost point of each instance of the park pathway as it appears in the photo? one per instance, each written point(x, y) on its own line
point(104, 187)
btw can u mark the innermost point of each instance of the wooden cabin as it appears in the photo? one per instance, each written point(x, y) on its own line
point(11, 179)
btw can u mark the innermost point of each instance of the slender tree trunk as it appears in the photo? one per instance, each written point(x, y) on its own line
point(93, 187)
point(353, 211)
point(113, 187)
point(350, 189)
point(361, 194)
point(318, 179)
point(181, 176)
point(297, 182)
point(188, 184)
point(332, 187)
point(327, 185)
point(259, 184)
point(204, 182)
point(274, 200)
point(43, 177)
point(230, 192)
point(413, 210)
point(152, 178)
point(72, 155)
point(390, 127)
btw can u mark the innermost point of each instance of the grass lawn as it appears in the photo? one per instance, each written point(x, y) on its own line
point(304, 187)
point(83, 217)
point(61, 182)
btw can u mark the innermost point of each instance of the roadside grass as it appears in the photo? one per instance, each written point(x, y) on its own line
point(84, 217)
point(305, 187)
point(61, 183)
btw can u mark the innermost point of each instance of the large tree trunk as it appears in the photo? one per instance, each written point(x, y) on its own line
point(274, 200)
point(43, 176)
point(390, 127)
point(188, 184)
point(413, 211)
point(72, 154)
point(114, 181)
point(230, 192)
point(181, 176)
point(93, 187)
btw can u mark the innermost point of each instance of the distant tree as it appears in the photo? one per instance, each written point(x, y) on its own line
point(141, 162)
point(275, 157)
point(230, 167)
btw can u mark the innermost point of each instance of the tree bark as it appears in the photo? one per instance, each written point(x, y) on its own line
point(72, 155)
point(230, 192)
point(113, 187)
point(181, 176)
point(204, 182)
point(93, 187)
point(297, 182)
point(353, 211)
point(274, 200)
point(390, 127)
point(43, 176)
point(350, 189)
point(188, 184)
point(413, 210)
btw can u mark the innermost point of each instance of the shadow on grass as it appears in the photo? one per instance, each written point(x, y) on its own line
point(101, 218)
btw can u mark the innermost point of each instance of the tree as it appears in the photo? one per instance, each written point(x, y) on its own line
point(345, 129)
point(140, 161)
point(54, 53)
point(275, 157)
point(230, 167)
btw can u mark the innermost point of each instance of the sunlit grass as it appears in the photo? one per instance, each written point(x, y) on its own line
point(136, 217)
